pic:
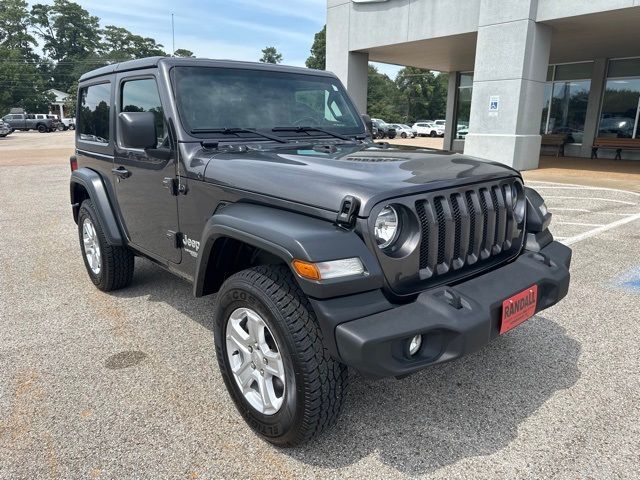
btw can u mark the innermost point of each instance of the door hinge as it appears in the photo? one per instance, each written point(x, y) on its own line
point(175, 188)
point(175, 238)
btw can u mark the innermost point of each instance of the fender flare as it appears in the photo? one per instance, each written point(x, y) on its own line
point(289, 236)
point(91, 181)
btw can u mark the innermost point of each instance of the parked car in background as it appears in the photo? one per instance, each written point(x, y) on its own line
point(384, 129)
point(621, 127)
point(29, 121)
point(462, 132)
point(403, 131)
point(65, 123)
point(428, 129)
point(423, 121)
point(5, 129)
point(441, 123)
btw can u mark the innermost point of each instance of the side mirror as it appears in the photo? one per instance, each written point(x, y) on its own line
point(138, 129)
point(368, 123)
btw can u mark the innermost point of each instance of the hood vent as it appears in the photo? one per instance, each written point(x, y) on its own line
point(376, 159)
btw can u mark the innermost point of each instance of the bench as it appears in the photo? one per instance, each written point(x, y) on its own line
point(555, 140)
point(614, 143)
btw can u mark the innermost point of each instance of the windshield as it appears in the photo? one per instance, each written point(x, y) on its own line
point(210, 98)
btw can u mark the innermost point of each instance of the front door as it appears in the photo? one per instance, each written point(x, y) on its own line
point(143, 178)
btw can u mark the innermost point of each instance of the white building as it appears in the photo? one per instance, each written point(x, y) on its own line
point(57, 106)
point(518, 68)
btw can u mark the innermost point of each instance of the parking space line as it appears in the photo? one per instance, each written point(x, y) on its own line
point(604, 228)
point(555, 209)
point(590, 198)
point(573, 186)
point(579, 224)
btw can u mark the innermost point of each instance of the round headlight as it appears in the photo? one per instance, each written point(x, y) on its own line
point(386, 227)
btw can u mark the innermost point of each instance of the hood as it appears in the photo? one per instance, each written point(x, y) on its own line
point(322, 179)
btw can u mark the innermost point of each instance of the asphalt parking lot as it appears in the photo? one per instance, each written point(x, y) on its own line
point(125, 385)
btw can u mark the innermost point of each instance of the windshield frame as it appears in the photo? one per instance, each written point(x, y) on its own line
point(359, 131)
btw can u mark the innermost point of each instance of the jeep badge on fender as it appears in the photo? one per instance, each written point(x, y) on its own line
point(261, 183)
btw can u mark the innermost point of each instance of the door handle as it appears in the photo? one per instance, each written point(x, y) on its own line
point(121, 172)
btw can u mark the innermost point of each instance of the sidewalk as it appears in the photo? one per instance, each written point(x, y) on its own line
point(621, 174)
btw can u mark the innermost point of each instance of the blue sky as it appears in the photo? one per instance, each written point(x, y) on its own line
point(232, 29)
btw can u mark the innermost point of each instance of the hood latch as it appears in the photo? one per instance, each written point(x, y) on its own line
point(348, 211)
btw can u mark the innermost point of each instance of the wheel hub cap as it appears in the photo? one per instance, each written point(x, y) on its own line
point(91, 246)
point(255, 360)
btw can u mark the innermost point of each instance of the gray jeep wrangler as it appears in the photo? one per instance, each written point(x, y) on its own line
point(261, 184)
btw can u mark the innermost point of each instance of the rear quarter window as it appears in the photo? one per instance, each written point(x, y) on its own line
point(93, 113)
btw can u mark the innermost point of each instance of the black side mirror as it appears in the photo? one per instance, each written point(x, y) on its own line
point(138, 129)
point(368, 123)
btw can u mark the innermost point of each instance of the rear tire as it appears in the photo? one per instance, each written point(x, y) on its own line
point(314, 386)
point(112, 267)
point(42, 128)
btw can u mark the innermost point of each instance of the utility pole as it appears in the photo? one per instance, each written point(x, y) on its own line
point(173, 37)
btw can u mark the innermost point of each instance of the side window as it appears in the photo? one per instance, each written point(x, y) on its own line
point(142, 96)
point(93, 109)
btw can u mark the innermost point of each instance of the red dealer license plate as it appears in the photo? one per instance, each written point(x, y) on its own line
point(518, 308)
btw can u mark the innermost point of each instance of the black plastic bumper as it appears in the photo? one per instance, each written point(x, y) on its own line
point(453, 320)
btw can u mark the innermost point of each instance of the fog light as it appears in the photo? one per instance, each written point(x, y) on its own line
point(414, 345)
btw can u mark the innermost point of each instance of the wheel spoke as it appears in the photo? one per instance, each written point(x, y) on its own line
point(238, 336)
point(255, 325)
point(245, 374)
point(273, 364)
point(266, 393)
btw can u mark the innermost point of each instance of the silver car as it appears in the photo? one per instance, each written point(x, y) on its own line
point(5, 129)
point(404, 131)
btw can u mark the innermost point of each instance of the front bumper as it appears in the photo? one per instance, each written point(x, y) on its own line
point(453, 320)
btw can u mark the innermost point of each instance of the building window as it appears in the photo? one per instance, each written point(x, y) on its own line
point(566, 96)
point(463, 109)
point(621, 102)
point(93, 113)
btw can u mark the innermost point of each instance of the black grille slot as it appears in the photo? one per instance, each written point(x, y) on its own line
point(441, 229)
point(472, 214)
point(457, 221)
point(424, 227)
point(485, 218)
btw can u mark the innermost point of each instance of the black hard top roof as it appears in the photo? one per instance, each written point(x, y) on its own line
point(151, 62)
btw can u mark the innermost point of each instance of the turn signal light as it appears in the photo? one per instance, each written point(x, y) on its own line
point(306, 269)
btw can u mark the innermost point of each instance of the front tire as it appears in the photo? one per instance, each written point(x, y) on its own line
point(109, 267)
point(403, 135)
point(42, 128)
point(306, 387)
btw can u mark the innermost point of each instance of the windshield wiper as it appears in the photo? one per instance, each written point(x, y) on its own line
point(309, 129)
point(235, 130)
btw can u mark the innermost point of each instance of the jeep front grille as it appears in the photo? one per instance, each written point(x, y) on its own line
point(461, 232)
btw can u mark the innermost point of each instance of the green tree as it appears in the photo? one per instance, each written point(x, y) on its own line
point(71, 37)
point(422, 93)
point(182, 52)
point(382, 97)
point(271, 55)
point(67, 30)
point(22, 79)
point(120, 44)
point(318, 57)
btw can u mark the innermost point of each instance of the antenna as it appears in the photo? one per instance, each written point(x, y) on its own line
point(173, 37)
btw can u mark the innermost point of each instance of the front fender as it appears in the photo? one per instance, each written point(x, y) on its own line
point(91, 181)
point(290, 236)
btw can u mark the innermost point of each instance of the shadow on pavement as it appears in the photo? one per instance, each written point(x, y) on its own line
point(470, 407)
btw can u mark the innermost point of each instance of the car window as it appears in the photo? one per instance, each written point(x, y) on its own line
point(93, 110)
point(142, 96)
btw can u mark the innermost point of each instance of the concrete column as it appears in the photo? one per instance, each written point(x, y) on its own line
point(450, 116)
point(512, 56)
point(350, 67)
point(596, 91)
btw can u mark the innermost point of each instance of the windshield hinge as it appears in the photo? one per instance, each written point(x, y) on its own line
point(348, 211)
point(175, 188)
